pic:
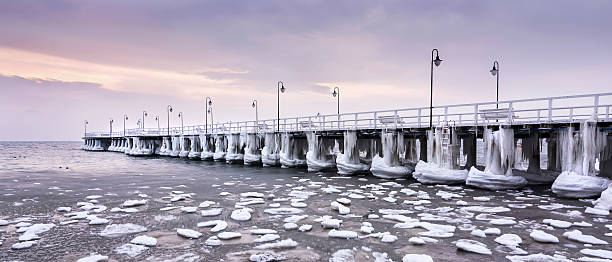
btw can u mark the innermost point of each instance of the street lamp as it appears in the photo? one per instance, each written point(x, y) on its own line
point(280, 88)
point(125, 117)
point(437, 62)
point(180, 115)
point(157, 120)
point(85, 132)
point(144, 114)
point(212, 121)
point(207, 103)
point(110, 134)
point(495, 72)
point(169, 109)
point(139, 123)
point(336, 93)
point(254, 105)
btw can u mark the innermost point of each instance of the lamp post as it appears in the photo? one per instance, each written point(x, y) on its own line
point(125, 117)
point(254, 105)
point(157, 120)
point(280, 88)
point(336, 93)
point(437, 61)
point(180, 115)
point(169, 109)
point(495, 72)
point(139, 123)
point(212, 120)
point(110, 134)
point(85, 132)
point(144, 114)
point(207, 103)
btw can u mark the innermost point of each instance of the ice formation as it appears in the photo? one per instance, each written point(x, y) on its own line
point(292, 152)
point(208, 147)
point(499, 160)
point(185, 146)
point(319, 157)
point(389, 165)
point(235, 148)
point(350, 162)
point(270, 151)
point(166, 147)
point(443, 159)
point(176, 146)
point(605, 201)
point(252, 152)
point(220, 147)
point(578, 153)
point(195, 147)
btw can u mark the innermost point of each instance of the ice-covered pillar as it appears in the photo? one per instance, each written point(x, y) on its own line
point(469, 149)
point(551, 153)
point(605, 162)
point(423, 145)
point(531, 151)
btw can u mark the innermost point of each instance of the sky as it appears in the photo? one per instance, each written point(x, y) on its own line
point(64, 62)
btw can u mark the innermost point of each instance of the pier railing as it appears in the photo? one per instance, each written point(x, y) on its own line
point(559, 109)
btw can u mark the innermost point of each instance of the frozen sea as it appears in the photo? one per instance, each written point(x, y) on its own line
point(387, 220)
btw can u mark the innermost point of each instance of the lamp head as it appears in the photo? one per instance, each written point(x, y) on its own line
point(209, 110)
point(126, 117)
point(253, 105)
point(494, 71)
point(146, 114)
point(170, 109)
point(209, 102)
point(335, 93)
point(282, 87)
point(437, 61)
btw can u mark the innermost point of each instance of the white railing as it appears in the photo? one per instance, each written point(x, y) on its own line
point(560, 109)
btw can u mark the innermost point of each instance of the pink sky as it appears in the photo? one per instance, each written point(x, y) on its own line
point(62, 62)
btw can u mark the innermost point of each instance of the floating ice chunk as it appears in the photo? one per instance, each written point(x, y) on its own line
point(290, 226)
point(252, 194)
point(571, 184)
point(344, 201)
point(381, 168)
point(228, 235)
point(304, 228)
point(605, 201)
point(189, 209)
point(356, 196)
point(343, 210)
point(98, 221)
point(461, 203)
point(492, 231)
point(576, 235)
point(31, 232)
point(121, 229)
point(485, 209)
point(342, 234)
point(582, 224)
point(93, 258)
point(22, 224)
point(557, 223)
point(343, 255)
point(267, 256)
point(283, 211)
point(597, 253)
point(63, 209)
point(416, 241)
point(24, 244)
point(417, 258)
point(131, 250)
point(267, 238)
point(541, 236)
point(212, 212)
point(511, 240)
point(430, 173)
point(331, 223)
point(298, 204)
point(144, 240)
point(263, 231)
point(218, 225)
point(287, 243)
point(188, 233)
point(388, 239)
point(206, 204)
point(294, 218)
point(502, 222)
point(473, 246)
point(133, 203)
point(537, 258)
point(243, 214)
point(124, 210)
point(484, 199)
point(490, 181)
point(213, 241)
point(597, 211)
point(478, 233)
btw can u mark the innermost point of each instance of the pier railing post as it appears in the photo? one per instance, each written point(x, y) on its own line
point(476, 114)
point(395, 118)
point(297, 124)
point(445, 113)
point(571, 115)
point(356, 121)
point(596, 106)
point(510, 117)
point(419, 118)
point(550, 102)
point(375, 119)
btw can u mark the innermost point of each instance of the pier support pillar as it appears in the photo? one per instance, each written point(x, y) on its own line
point(605, 161)
point(423, 147)
point(469, 149)
point(531, 151)
point(552, 153)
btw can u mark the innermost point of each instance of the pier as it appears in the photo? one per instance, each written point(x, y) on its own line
point(525, 141)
